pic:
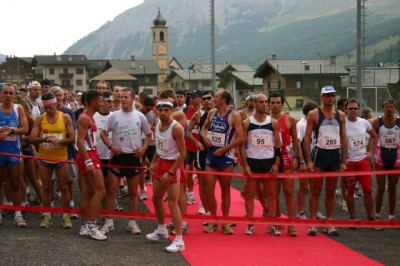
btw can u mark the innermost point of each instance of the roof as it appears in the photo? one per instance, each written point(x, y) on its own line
point(194, 75)
point(373, 76)
point(126, 66)
point(245, 77)
point(59, 60)
point(27, 59)
point(112, 74)
point(220, 67)
point(299, 67)
point(97, 63)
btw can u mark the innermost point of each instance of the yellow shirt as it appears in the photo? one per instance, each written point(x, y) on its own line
point(58, 130)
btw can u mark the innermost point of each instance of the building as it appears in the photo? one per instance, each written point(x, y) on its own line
point(301, 80)
point(69, 71)
point(16, 70)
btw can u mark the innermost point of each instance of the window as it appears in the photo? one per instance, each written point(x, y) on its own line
point(65, 82)
point(298, 84)
point(332, 82)
point(206, 83)
point(65, 70)
point(79, 82)
point(316, 84)
point(147, 79)
point(279, 84)
point(79, 71)
point(51, 71)
point(162, 36)
point(269, 85)
point(148, 91)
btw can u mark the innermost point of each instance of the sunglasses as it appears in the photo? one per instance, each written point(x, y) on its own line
point(331, 95)
point(352, 108)
point(206, 98)
point(193, 96)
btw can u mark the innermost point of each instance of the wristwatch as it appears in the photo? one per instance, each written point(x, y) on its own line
point(170, 173)
point(302, 162)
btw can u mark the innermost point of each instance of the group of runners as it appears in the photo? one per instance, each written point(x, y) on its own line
point(117, 134)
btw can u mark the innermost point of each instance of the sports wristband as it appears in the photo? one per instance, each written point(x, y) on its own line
point(88, 162)
point(344, 162)
point(109, 146)
point(302, 162)
point(12, 132)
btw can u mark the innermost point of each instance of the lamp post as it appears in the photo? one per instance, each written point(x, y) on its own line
point(190, 67)
point(144, 73)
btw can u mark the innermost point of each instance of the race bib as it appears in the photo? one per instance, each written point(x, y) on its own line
point(217, 139)
point(357, 143)
point(162, 143)
point(331, 142)
point(51, 145)
point(389, 140)
point(260, 141)
point(11, 137)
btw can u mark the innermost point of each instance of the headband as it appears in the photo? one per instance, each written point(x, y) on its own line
point(389, 101)
point(110, 98)
point(49, 101)
point(250, 97)
point(165, 104)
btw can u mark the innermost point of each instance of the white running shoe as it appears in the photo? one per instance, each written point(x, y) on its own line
point(157, 235)
point(84, 230)
point(143, 195)
point(107, 226)
point(133, 228)
point(176, 246)
point(96, 234)
point(201, 209)
point(19, 221)
point(320, 216)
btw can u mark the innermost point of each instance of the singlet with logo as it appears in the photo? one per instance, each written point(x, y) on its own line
point(285, 135)
point(221, 133)
point(101, 121)
point(11, 144)
point(357, 143)
point(190, 146)
point(35, 109)
point(90, 140)
point(260, 139)
point(165, 143)
point(327, 131)
point(58, 130)
point(388, 137)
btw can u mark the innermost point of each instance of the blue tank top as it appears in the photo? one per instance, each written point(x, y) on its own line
point(221, 133)
point(327, 131)
point(12, 143)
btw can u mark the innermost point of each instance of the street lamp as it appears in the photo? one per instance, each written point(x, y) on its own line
point(144, 72)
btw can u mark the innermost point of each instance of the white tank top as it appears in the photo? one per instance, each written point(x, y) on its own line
point(166, 145)
point(260, 139)
point(389, 137)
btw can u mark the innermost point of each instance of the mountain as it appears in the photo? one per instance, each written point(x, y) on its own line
point(246, 31)
point(2, 58)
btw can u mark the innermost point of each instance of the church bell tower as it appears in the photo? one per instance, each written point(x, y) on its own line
point(160, 48)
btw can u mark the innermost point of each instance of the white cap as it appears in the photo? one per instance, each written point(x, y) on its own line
point(32, 84)
point(327, 89)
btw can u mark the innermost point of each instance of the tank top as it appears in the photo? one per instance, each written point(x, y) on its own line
point(389, 137)
point(221, 133)
point(285, 135)
point(11, 144)
point(190, 146)
point(327, 131)
point(57, 130)
point(165, 144)
point(260, 138)
point(203, 118)
point(90, 138)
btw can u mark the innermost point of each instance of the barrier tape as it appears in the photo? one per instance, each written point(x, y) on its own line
point(219, 219)
point(280, 175)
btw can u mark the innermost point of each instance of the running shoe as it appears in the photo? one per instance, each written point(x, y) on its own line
point(84, 230)
point(265, 214)
point(46, 222)
point(58, 194)
point(7, 213)
point(133, 228)
point(95, 233)
point(312, 231)
point(344, 207)
point(123, 192)
point(118, 208)
point(226, 229)
point(176, 246)
point(201, 209)
point(330, 231)
point(291, 231)
point(378, 218)
point(211, 227)
point(301, 215)
point(250, 229)
point(273, 230)
point(67, 222)
point(107, 226)
point(32, 197)
point(190, 198)
point(19, 221)
point(170, 226)
point(157, 235)
point(320, 216)
point(143, 195)
point(185, 230)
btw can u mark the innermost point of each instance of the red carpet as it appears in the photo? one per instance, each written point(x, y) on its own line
point(260, 248)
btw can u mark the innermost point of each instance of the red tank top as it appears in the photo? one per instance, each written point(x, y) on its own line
point(285, 134)
point(190, 146)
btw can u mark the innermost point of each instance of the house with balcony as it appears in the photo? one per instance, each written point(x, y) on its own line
point(69, 71)
point(16, 70)
point(301, 80)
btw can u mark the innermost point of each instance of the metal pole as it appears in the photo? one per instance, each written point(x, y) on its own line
point(359, 44)
point(214, 82)
point(144, 69)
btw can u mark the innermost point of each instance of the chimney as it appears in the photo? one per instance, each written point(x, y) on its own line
point(225, 62)
point(133, 63)
point(333, 60)
point(274, 57)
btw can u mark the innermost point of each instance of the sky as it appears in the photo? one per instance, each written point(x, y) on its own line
point(44, 27)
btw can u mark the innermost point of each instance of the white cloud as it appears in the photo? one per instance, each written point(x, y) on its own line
point(46, 26)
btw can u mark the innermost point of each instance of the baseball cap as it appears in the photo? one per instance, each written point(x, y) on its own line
point(208, 93)
point(196, 92)
point(32, 84)
point(327, 89)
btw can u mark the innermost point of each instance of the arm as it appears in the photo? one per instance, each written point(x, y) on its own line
point(344, 142)
point(236, 121)
point(293, 133)
point(139, 152)
point(23, 123)
point(242, 150)
point(34, 136)
point(278, 145)
point(311, 122)
point(204, 129)
point(84, 123)
point(373, 141)
point(194, 122)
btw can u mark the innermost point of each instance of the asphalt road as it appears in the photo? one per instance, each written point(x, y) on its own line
point(56, 246)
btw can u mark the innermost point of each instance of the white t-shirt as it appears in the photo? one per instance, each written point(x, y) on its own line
point(127, 129)
point(357, 143)
point(101, 121)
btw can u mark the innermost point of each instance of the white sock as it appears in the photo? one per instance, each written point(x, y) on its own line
point(391, 217)
point(378, 215)
point(65, 214)
point(162, 227)
point(178, 238)
point(184, 223)
point(17, 213)
point(23, 203)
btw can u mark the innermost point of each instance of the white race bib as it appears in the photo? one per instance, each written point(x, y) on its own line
point(389, 140)
point(51, 145)
point(217, 139)
point(357, 143)
point(331, 142)
point(260, 141)
point(162, 143)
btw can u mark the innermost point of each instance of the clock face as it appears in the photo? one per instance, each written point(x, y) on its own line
point(162, 49)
